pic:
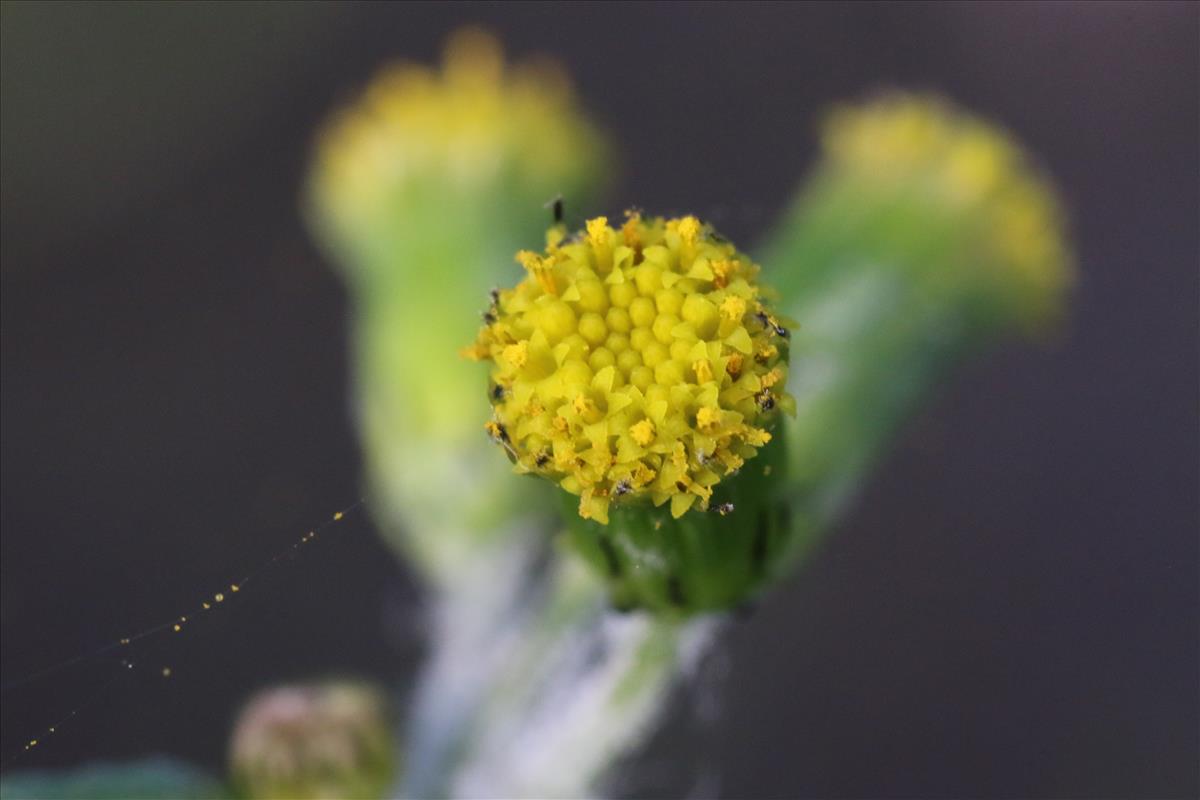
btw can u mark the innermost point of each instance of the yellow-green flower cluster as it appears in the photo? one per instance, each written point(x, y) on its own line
point(923, 144)
point(471, 125)
point(634, 363)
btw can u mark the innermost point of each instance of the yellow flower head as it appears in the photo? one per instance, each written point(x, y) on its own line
point(635, 364)
point(970, 168)
point(472, 125)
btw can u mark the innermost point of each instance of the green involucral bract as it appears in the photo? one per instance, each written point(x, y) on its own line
point(700, 561)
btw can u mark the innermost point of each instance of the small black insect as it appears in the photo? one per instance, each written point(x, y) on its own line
point(499, 435)
point(765, 318)
point(766, 400)
point(498, 393)
point(622, 487)
point(489, 316)
point(724, 509)
point(557, 204)
point(542, 459)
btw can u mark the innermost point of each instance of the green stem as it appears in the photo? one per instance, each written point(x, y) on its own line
point(538, 693)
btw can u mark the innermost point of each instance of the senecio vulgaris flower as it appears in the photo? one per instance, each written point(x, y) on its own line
point(468, 129)
point(643, 370)
point(921, 152)
point(635, 364)
point(415, 188)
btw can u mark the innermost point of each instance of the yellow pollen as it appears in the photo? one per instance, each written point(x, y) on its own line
point(517, 354)
point(598, 232)
point(770, 378)
point(679, 455)
point(583, 405)
point(642, 432)
point(220, 598)
point(540, 269)
point(722, 269)
point(758, 437)
point(708, 418)
point(689, 229)
point(733, 308)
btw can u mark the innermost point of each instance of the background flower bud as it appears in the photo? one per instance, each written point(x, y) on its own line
point(322, 742)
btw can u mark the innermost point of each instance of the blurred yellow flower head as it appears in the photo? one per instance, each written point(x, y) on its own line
point(634, 362)
point(467, 126)
point(922, 144)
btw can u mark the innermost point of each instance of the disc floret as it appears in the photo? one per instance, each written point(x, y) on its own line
point(633, 364)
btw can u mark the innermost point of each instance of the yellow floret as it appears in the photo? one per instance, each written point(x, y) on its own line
point(707, 418)
point(517, 355)
point(638, 343)
point(733, 308)
point(642, 432)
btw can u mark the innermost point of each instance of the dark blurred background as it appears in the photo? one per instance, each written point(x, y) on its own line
point(1012, 608)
